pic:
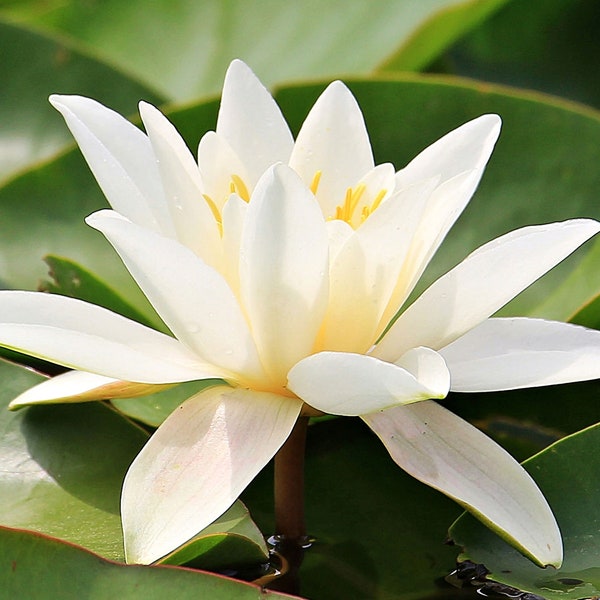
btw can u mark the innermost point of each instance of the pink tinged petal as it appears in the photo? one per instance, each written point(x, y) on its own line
point(196, 465)
point(192, 298)
point(365, 272)
point(121, 158)
point(284, 269)
point(347, 384)
point(79, 386)
point(252, 123)
point(218, 162)
point(448, 454)
point(89, 338)
point(195, 223)
point(334, 141)
point(506, 354)
point(482, 284)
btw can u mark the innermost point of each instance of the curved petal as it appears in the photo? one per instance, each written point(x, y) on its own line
point(507, 354)
point(121, 158)
point(448, 454)
point(333, 140)
point(250, 120)
point(82, 336)
point(192, 298)
point(341, 383)
point(79, 386)
point(195, 224)
point(284, 269)
point(482, 284)
point(465, 148)
point(196, 465)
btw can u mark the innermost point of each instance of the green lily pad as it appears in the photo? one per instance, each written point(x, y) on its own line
point(62, 469)
point(568, 473)
point(203, 37)
point(35, 65)
point(34, 566)
point(551, 46)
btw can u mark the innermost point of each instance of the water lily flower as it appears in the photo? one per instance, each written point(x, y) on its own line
point(279, 266)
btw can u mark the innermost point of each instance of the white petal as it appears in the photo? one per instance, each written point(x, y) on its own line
point(194, 222)
point(334, 141)
point(482, 284)
point(457, 161)
point(234, 215)
point(196, 465)
point(192, 298)
point(450, 455)
point(366, 270)
point(284, 269)
point(347, 384)
point(89, 338)
point(79, 386)
point(121, 158)
point(250, 120)
point(466, 148)
point(506, 354)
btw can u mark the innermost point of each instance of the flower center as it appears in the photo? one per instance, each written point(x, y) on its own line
point(236, 186)
point(347, 210)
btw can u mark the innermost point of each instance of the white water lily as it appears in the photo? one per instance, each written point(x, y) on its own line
point(278, 265)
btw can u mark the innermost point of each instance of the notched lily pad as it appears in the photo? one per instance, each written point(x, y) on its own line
point(568, 473)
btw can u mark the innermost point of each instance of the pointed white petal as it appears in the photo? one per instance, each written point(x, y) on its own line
point(482, 284)
point(195, 224)
point(284, 269)
point(196, 465)
point(457, 161)
point(121, 158)
point(250, 120)
point(447, 453)
point(506, 354)
point(192, 298)
point(79, 386)
point(347, 384)
point(466, 148)
point(334, 141)
point(366, 270)
point(234, 215)
point(89, 338)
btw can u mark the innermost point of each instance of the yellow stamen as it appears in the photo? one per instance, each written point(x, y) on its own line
point(239, 187)
point(213, 208)
point(368, 210)
point(314, 186)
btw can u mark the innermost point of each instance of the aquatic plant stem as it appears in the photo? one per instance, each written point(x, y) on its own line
point(289, 484)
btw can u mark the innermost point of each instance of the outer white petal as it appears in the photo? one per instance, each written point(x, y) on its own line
point(366, 270)
point(250, 120)
point(333, 140)
point(192, 298)
point(481, 284)
point(457, 160)
point(466, 148)
point(194, 222)
point(79, 386)
point(347, 384)
point(121, 158)
point(450, 455)
point(197, 464)
point(284, 269)
point(505, 354)
point(89, 338)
